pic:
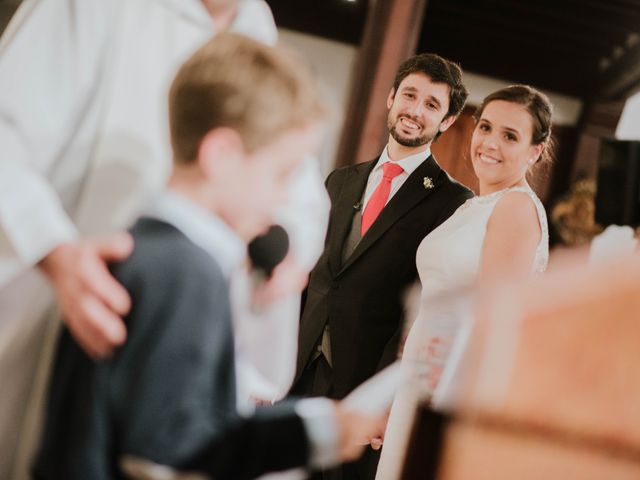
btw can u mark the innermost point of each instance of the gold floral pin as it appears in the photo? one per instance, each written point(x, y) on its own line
point(427, 183)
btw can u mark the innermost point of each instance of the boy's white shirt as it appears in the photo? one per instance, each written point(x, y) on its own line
point(204, 229)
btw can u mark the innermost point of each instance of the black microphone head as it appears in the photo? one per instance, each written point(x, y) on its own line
point(268, 250)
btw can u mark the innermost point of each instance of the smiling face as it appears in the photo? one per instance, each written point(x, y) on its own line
point(501, 149)
point(417, 112)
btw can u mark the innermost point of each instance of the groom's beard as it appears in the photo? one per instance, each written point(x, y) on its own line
point(425, 138)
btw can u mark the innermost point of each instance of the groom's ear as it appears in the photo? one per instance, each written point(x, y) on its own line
point(392, 95)
point(447, 122)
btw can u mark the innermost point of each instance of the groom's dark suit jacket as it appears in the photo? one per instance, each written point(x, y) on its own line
point(168, 395)
point(362, 298)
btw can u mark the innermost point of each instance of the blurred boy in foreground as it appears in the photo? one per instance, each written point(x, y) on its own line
point(242, 117)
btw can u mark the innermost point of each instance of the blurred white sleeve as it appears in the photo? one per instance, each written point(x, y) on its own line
point(267, 340)
point(615, 241)
point(306, 214)
point(48, 68)
point(255, 20)
point(321, 424)
point(266, 344)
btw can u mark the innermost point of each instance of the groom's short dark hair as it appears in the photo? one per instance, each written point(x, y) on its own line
point(439, 70)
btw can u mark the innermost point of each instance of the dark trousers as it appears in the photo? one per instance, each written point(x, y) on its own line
point(316, 380)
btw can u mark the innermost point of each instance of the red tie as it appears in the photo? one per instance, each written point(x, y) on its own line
point(380, 196)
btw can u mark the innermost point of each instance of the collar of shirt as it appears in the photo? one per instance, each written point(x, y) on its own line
point(201, 227)
point(409, 164)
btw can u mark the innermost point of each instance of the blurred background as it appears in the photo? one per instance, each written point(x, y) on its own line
point(585, 54)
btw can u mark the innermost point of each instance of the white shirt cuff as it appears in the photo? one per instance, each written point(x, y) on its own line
point(319, 418)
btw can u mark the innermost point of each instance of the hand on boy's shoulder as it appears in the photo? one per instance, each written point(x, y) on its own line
point(91, 299)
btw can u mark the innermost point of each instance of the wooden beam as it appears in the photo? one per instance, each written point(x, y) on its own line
point(623, 76)
point(545, 20)
point(336, 19)
point(7, 9)
point(598, 121)
point(390, 36)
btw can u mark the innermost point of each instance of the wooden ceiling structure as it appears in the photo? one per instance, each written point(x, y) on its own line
point(588, 49)
point(585, 49)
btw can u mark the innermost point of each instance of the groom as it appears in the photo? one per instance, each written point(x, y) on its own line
point(352, 318)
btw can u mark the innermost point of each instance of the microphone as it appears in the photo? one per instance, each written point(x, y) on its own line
point(357, 206)
point(265, 253)
point(268, 250)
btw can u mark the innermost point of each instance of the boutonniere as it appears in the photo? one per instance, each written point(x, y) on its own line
point(427, 183)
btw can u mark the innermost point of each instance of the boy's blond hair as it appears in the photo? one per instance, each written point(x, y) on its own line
point(233, 81)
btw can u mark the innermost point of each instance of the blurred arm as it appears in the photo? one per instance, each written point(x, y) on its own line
point(51, 57)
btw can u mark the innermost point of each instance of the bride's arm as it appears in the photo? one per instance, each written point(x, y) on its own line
point(513, 234)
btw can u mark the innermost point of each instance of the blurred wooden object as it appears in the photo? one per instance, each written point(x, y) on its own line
point(137, 468)
point(578, 352)
point(557, 398)
point(479, 452)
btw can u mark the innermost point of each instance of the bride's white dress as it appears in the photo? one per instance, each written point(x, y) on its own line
point(447, 259)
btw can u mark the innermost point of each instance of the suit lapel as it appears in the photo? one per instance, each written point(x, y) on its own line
point(412, 192)
point(354, 185)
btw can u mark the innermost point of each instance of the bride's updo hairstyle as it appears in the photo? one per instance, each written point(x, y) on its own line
point(540, 110)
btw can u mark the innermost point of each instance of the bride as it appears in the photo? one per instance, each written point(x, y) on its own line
point(501, 233)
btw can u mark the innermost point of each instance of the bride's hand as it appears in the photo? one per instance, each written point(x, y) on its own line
point(377, 440)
